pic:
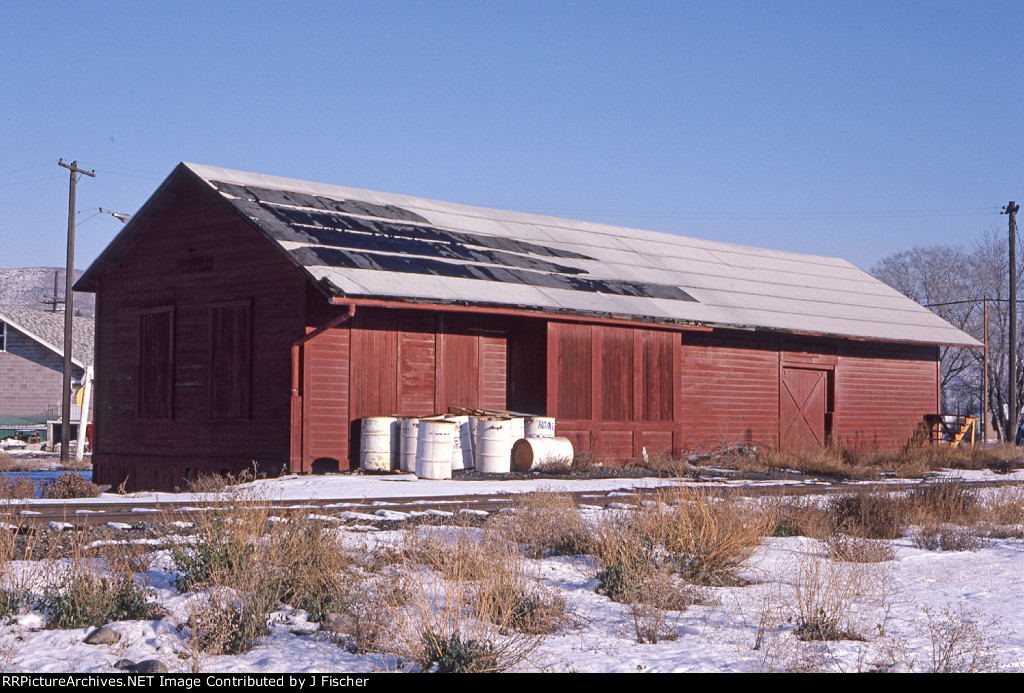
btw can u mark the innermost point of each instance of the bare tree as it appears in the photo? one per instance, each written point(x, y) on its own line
point(939, 277)
point(953, 282)
point(990, 276)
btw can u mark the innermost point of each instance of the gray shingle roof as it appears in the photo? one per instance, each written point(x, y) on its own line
point(48, 329)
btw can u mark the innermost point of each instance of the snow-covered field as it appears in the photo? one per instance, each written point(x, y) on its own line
point(920, 611)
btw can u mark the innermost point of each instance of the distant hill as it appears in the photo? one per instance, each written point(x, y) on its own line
point(29, 287)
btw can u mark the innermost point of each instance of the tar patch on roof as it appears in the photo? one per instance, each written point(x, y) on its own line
point(353, 234)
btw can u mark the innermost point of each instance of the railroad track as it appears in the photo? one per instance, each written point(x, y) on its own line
point(80, 514)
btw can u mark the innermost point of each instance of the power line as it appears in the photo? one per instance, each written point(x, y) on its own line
point(27, 168)
point(885, 214)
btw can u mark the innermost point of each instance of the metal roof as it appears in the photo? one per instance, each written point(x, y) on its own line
point(48, 329)
point(359, 243)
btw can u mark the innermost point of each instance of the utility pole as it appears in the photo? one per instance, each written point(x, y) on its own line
point(54, 300)
point(1011, 424)
point(984, 380)
point(69, 312)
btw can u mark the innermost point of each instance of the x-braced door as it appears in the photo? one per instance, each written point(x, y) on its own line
point(805, 394)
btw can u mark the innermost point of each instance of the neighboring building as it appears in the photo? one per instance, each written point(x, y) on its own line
point(243, 318)
point(32, 366)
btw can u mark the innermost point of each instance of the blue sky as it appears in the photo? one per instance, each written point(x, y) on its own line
point(853, 129)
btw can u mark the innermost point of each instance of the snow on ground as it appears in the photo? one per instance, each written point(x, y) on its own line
point(905, 609)
point(356, 487)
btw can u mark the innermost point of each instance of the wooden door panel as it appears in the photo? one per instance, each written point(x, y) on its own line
point(802, 408)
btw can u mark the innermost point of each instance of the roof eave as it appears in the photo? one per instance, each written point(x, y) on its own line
point(52, 347)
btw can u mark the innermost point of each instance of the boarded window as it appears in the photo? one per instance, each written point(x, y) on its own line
point(230, 361)
point(156, 364)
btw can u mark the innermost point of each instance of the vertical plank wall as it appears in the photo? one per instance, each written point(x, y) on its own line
point(179, 261)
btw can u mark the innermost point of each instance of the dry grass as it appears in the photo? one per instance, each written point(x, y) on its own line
point(225, 621)
point(869, 515)
point(545, 524)
point(708, 538)
point(828, 462)
point(8, 462)
point(583, 462)
point(651, 553)
point(513, 601)
point(1005, 506)
point(253, 564)
point(947, 537)
point(219, 483)
point(16, 487)
point(801, 516)
point(850, 463)
point(461, 556)
point(823, 593)
point(944, 502)
point(857, 550)
point(73, 590)
point(473, 609)
point(663, 463)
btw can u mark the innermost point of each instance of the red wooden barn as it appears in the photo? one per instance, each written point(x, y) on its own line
point(244, 318)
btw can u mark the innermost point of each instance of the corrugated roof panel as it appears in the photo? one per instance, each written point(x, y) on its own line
point(378, 244)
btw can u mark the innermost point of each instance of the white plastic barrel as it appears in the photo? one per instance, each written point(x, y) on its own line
point(540, 427)
point(434, 446)
point(410, 429)
point(494, 445)
point(531, 453)
point(379, 444)
point(462, 450)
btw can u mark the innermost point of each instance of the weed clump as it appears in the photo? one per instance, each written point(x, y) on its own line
point(546, 524)
point(823, 595)
point(799, 517)
point(947, 537)
point(229, 623)
point(455, 655)
point(10, 602)
point(69, 485)
point(944, 501)
point(87, 600)
point(16, 487)
point(823, 626)
point(869, 515)
point(707, 538)
point(857, 550)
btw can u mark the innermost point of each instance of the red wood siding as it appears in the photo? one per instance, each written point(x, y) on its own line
point(325, 423)
point(882, 393)
point(395, 362)
point(729, 387)
point(417, 358)
point(623, 374)
point(872, 395)
point(193, 253)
